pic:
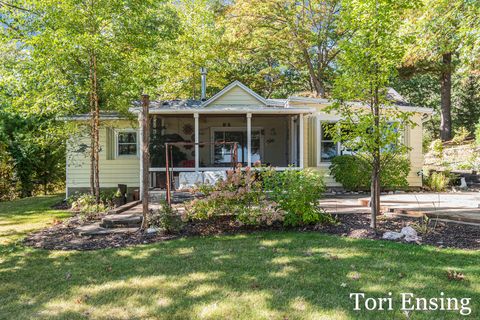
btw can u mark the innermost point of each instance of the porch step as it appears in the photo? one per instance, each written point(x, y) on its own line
point(129, 220)
point(96, 229)
point(177, 196)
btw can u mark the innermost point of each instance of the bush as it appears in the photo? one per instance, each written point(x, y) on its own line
point(477, 133)
point(293, 198)
point(240, 195)
point(461, 134)
point(297, 193)
point(355, 174)
point(166, 219)
point(86, 206)
point(436, 147)
point(438, 181)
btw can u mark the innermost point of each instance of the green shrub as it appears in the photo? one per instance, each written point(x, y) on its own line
point(293, 197)
point(465, 166)
point(394, 174)
point(438, 181)
point(436, 147)
point(240, 195)
point(297, 193)
point(461, 134)
point(354, 173)
point(426, 140)
point(166, 219)
point(87, 207)
point(477, 133)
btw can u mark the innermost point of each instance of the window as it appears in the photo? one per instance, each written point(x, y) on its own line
point(328, 147)
point(127, 143)
point(222, 154)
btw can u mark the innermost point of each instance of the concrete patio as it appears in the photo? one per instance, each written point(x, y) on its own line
point(457, 207)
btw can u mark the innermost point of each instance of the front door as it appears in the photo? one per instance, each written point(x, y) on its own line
point(223, 153)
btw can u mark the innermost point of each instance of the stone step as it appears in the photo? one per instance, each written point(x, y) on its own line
point(96, 229)
point(122, 220)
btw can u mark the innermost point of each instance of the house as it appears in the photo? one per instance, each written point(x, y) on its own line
point(280, 132)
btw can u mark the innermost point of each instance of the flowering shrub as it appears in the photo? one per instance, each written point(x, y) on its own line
point(293, 197)
point(297, 193)
point(240, 195)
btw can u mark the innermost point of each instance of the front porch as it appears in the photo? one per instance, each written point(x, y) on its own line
point(204, 141)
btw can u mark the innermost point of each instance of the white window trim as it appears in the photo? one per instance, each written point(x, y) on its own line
point(329, 119)
point(215, 129)
point(118, 156)
point(319, 133)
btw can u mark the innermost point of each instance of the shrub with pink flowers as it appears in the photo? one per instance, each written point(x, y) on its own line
point(262, 196)
point(240, 195)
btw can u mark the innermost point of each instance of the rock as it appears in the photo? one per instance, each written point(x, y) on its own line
point(151, 231)
point(399, 191)
point(391, 235)
point(463, 183)
point(411, 239)
point(410, 234)
point(390, 192)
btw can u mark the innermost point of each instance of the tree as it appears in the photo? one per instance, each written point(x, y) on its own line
point(466, 102)
point(87, 56)
point(299, 35)
point(371, 126)
point(442, 30)
point(197, 44)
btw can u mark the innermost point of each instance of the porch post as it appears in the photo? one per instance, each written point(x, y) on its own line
point(197, 139)
point(249, 139)
point(292, 140)
point(301, 139)
point(145, 158)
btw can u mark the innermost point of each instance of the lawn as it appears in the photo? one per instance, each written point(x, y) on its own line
point(269, 275)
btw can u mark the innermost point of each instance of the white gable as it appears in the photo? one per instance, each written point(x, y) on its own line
point(236, 94)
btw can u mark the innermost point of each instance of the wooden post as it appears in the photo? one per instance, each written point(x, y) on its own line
point(300, 147)
point(197, 140)
point(249, 139)
point(145, 158)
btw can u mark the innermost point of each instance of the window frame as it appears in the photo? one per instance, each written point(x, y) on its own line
point(126, 156)
point(225, 129)
point(404, 137)
point(321, 162)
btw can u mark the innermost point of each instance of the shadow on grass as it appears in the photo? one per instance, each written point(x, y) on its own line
point(270, 275)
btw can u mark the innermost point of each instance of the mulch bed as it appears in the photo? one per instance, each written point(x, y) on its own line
point(62, 237)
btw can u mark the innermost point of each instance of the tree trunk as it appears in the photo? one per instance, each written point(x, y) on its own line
point(97, 129)
point(446, 97)
point(94, 130)
point(145, 159)
point(375, 186)
point(92, 133)
point(375, 195)
point(316, 80)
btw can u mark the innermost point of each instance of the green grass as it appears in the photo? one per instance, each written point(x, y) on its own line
point(271, 275)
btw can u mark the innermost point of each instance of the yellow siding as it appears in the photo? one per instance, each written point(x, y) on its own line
point(236, 96)
point(112, 172)
point(413, 140)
